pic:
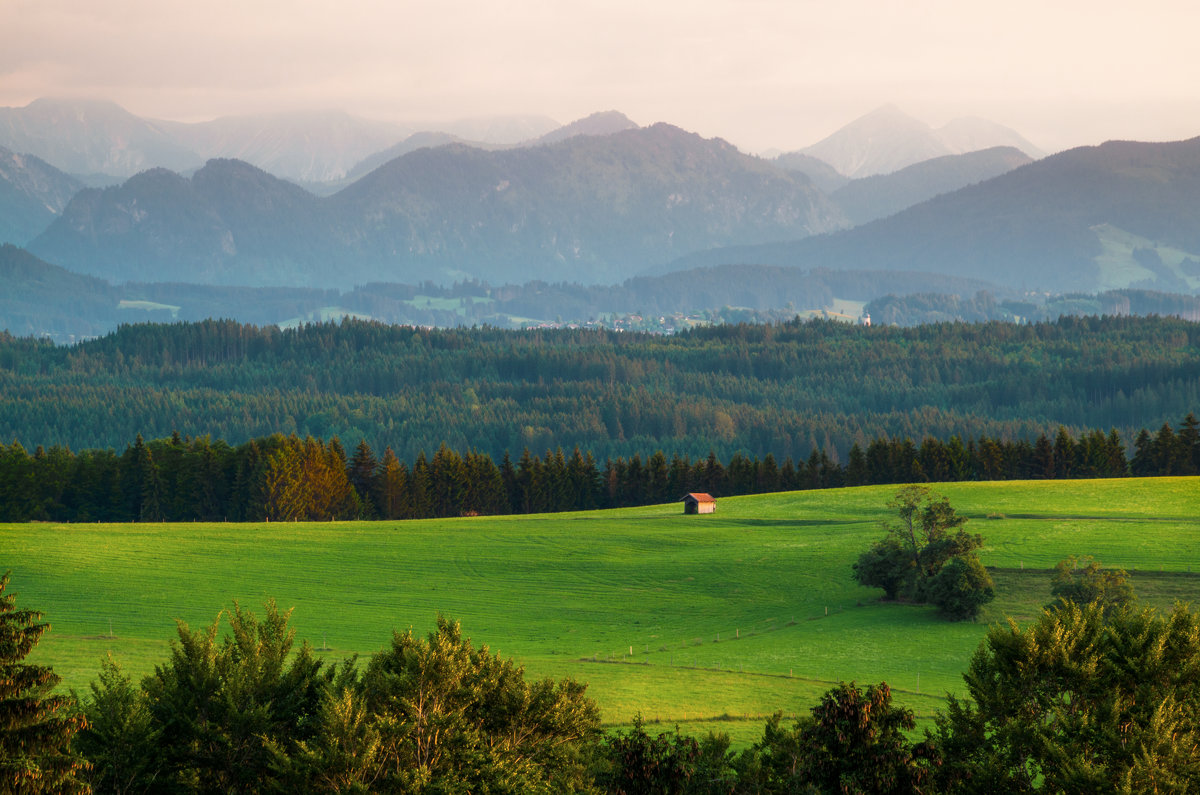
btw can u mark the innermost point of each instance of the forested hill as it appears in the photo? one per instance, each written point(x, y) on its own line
point(780, 389)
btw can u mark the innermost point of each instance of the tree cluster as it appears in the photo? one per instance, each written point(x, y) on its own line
point(245, 711)
point(281, 477)
point(928, 557)
point(853, 740)
point(1081, 701)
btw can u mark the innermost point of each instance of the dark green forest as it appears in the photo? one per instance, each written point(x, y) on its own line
point(287, 478)
point(782, 389)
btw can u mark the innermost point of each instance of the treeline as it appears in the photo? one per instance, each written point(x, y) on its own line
point(779, 389)
point(286, 478)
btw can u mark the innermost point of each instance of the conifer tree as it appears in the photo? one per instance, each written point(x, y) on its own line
point(361, 473)
point(1043, 458)
point(1166, 451)
point(35, 728)
point(1143, 456)
point(391, 487)
point(1064, 454)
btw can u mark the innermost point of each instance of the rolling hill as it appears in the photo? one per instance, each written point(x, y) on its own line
point(229, 220)
point(728, 617)
point(40, 299)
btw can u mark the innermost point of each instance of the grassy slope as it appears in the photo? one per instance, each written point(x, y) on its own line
point(569, 594)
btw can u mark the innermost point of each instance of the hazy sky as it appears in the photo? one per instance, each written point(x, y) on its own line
point(760, 73)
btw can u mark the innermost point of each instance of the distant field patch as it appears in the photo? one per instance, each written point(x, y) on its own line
point(148, 306)
point(705, 621)
point(447, 304)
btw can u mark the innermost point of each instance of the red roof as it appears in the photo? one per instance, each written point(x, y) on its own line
point(700, 497)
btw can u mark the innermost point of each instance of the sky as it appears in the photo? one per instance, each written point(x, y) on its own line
point(763, 74)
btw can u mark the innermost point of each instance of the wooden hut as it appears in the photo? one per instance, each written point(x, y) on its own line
point(697, 502)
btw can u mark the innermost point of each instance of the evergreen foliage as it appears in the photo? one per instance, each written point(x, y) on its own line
point(220, 704)
point(1081, 701)
point(855, 742)
point(640, 763)
point(120, 740)
point(287, 478)
point(244, 711)
point(781, 389)
point(36, 728)
point(454, 717)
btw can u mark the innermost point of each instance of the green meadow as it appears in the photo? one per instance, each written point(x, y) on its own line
point(701, 621)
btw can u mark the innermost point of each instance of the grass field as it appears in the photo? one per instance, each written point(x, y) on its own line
point(705, 621)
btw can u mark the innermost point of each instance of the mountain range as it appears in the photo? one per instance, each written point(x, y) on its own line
point(1122, 214)
point(591, 208)
point(99, 142)
point(598, 209)
point(879, 196)
point(584, 207)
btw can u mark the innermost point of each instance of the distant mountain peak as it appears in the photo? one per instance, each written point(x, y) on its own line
point(882, 141)
point(605, 122)
point(887, 140)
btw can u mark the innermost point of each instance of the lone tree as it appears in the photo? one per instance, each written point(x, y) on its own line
point(927, 556)
point(35, 728)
